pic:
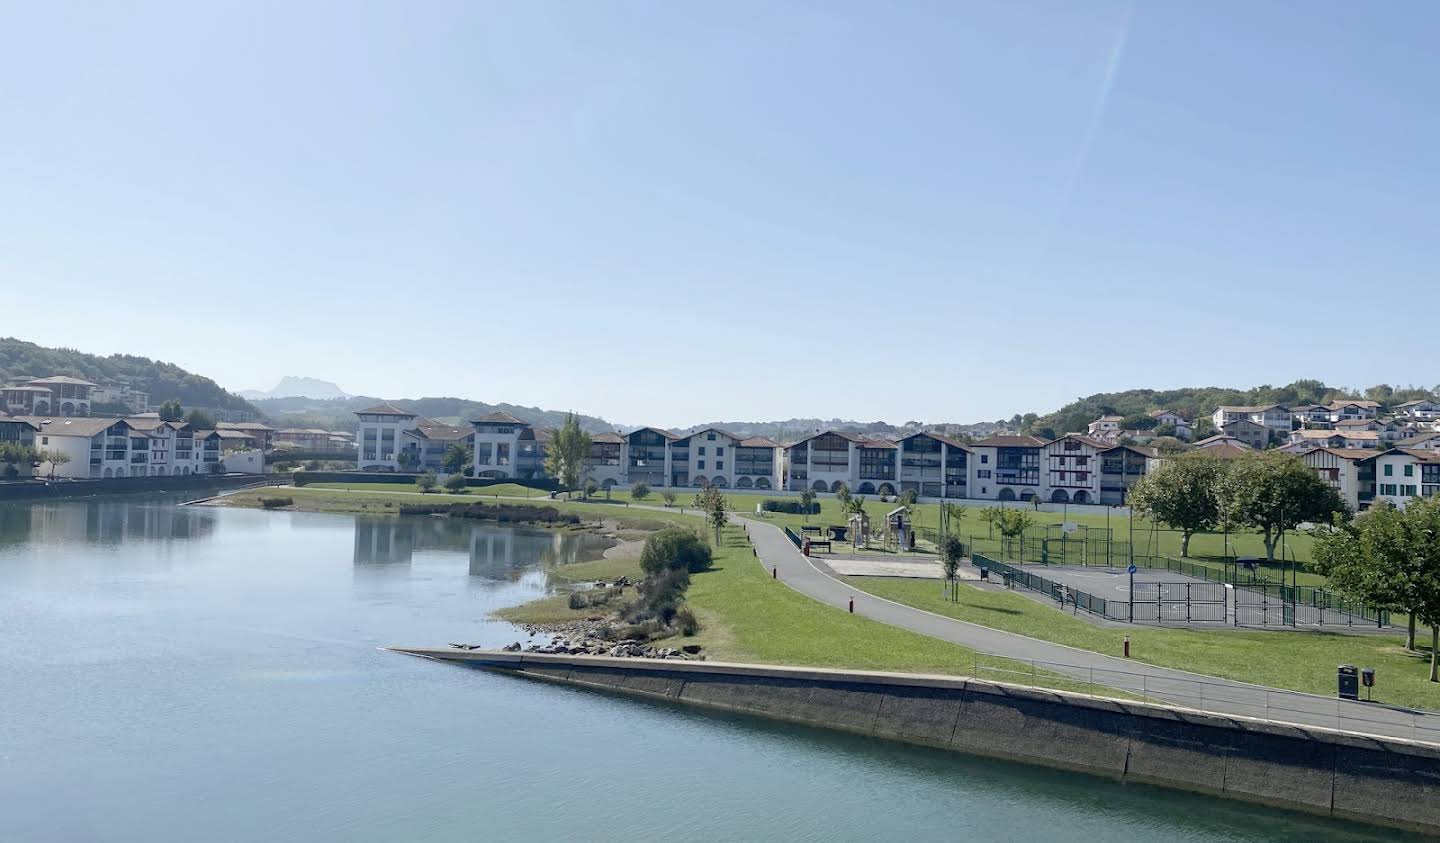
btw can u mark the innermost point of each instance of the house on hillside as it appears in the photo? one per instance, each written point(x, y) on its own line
point(1420, 410)
point(1104, 425)
point(1348, 409)
point(1255, 435)
point(1184, 431)
point(1272, 416)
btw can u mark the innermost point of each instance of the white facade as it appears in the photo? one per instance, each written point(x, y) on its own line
point(1403, 475)
point(380, 436)
point(1071, 466)
point(1345, 471)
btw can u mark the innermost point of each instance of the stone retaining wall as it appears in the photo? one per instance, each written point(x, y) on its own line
point(1380, 780)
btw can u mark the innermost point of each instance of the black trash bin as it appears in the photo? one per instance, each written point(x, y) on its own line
point(1348, 678)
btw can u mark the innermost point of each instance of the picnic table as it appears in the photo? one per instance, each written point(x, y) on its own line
point(810, 528)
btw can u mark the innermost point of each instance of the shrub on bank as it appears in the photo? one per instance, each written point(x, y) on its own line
point(790, 507)
point(686, 622)
point(675, 548)
point(455, 484)
point(276, 503)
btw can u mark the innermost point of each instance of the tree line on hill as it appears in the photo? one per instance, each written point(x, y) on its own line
point(162, 381)
point(1199, 402)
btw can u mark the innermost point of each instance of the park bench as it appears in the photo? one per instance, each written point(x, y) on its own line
point(816, 544)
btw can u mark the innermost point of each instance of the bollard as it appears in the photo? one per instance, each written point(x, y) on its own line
point(775, 573)
point(1127, 646)
point(852, 605)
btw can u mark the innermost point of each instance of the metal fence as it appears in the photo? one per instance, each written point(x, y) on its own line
point(1258, 600)
point(1060, 593)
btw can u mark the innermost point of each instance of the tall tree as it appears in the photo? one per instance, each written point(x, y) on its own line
point(1391, 557)
point(200, 420)
point(952, 551)
point(1181, 493)
point(1372, 559)
point(567, 455)
point(1275, 492)
point(171, 410)
point(711, 501)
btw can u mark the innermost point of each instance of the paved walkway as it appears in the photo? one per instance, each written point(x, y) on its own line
point(1186, 689)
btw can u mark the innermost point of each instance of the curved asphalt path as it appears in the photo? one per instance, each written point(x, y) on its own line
point(1186, 689)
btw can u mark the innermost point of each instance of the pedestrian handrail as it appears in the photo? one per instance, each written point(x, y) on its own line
point(1273, 704)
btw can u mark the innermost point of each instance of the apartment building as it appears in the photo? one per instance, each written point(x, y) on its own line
point(1339, 437)
point(1402, 475)
point(1349, 471)
point(1104, 425)
point(1311, 415)
point(141, 446)
point(392, 439)
point(1121, 467)
point(53, 396)
point(263, 434)
point(1072, 469)
point(1184, 431)
point(17, 432)
point(1006, 468)
point(1346, 410)
point(934, 465)
point(715, 457)
point(496, 440)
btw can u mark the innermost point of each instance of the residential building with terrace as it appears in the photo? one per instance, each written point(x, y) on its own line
point(1311, 415)
point(607, 459)
point(934, 465)
point(1339, 437)
point(1273, 416)
point(1422, 410)
point(1350, 472)
point(1352, 409)
point(824, 461)
point(1072, 465)
point(1006, 468)
point(648, 457)
point(141, 446)
point(1401, 475)
point(392, 439)
point(264, 434)
point(495, 438)
point(1184, 430)
point(25, 400)
point(1121, 467)
point(1421, 442)
point(17, 432)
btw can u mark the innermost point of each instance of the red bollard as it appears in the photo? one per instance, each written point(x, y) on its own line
point(852, 605)
point(1127, 646)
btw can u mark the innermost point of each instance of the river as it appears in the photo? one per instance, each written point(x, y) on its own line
point(200, 673)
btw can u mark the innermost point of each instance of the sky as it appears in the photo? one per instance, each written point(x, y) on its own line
point(676, 212)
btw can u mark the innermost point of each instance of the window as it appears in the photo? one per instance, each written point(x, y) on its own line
point(700, 465)
point(720, 450)
point(1082, 477)
point(1409, 491)
point(984, 458)
point(983, 473)
point(709, 437)
point(1072, 445)
point(1387, 489)
point(1082, 461)
point(1409, 471)
point(44, 440)
point(719, 465)
point(1389, 470)
point(701, 452)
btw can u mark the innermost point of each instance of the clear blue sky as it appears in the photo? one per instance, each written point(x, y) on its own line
point(670, 213)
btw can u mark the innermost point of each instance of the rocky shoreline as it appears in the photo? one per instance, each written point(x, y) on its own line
point(582, 638)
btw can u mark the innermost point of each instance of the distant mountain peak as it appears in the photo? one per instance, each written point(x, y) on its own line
point(292, 386)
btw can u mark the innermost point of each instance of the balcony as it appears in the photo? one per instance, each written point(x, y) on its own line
point(137, 459)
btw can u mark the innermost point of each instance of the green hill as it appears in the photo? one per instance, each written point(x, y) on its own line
point(163, 381)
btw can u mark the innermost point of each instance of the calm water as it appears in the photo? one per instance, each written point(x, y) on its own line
point(187, 673)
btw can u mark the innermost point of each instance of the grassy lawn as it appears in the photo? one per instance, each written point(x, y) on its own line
point(599, 569)
point(1301, 661)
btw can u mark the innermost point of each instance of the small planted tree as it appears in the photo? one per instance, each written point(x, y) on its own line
point(807, 502)
point(591, 487)
point(992, 515)
point(952, 551)
point(1012, 525)
point(56, 459)
point(427, 482)
point(908, 497)
point(669, 497)
point(406, 459)
point(455, 483)
point(842, 497)
point(640, 491)
point(710, 501)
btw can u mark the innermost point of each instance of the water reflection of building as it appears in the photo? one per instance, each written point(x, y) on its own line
point(381, 541)
point(107, 521)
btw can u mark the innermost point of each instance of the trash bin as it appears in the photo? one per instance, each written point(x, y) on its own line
point(1348, 678)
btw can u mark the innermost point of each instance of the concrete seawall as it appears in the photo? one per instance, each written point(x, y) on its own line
point(1379, 780)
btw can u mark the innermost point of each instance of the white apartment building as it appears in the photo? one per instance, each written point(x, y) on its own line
point(1104, 425)
point(1402, 475)
point(141, 447)
point(1072, 469)
point(392, 439)
point(1422, 410)
point(1273, 416)
point(1347, 409)
point(1351, 472)
point(1184, 431)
